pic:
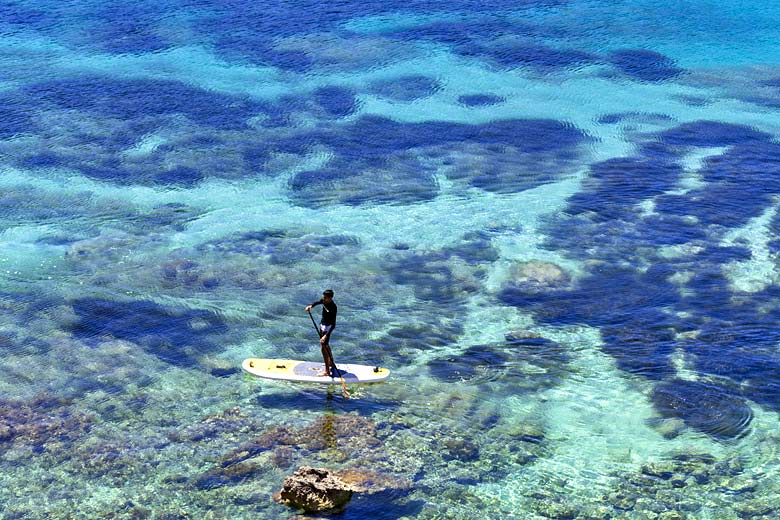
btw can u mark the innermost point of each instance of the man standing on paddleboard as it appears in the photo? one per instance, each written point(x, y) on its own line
point(327, 324)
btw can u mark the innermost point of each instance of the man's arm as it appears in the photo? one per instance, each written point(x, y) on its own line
point(308, 307)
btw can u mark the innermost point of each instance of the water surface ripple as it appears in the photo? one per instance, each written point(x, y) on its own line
point(556, 222)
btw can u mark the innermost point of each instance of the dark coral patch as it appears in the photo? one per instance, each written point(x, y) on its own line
point(431, 279)
point(379, 160)
point(641, 350)
point(704, 407)
point(651, 303)
point(430, 273)
point(476, 247)
point(43, 160)
point(644, 65)
point(774, 229)
point(634, 179)
point(719, 255)
point(505, 43)
point(16, 15)
point(541, 58)
point(230, 475)
point(256, 159)
point(123, 28)
point(710, 134)
point(607, 298)
point(131, 111)
point(737, 342)
point(728, 206)
point(480, 100)
point(108, 169)
point(400, 345)
point(740, 183)
point(135, 98)
point(643, 117)
point(670, 229)
point(179, 176)
point(254, 46)
point(467, 365)
point(506, 362)
point(336, 101)
point(282, 247)
point(753, 166)
point(15, 118)
point(527, 135)
point(177, 336)
point(616, 185)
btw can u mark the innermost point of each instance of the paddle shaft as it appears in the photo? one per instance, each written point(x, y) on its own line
point(319, 333)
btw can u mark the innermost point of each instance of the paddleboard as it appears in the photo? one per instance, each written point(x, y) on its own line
point(306, 371)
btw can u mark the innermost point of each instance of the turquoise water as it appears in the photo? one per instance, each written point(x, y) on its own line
point(555, 222)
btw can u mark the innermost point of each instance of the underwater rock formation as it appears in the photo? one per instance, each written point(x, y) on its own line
point(704, 407)
point(349, 433)
point(370, 482)
point(41, 423)
point(222, 476)
point(231, 421)
point(331, 437)
point(538, 275)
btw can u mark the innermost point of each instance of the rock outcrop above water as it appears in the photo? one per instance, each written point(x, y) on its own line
point(314, 490)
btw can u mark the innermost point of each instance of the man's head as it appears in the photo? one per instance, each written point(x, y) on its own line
point(327, 295)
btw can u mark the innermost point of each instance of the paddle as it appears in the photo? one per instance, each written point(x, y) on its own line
point(319, 333)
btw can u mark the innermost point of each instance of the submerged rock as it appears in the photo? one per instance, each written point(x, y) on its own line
point(109, 460)
point(370, 482)
point(331, 437)
point(230, 421)
point(753, 509)
point(221, 476)
point(460, 449)
point(555, 509)
point(314, 490)
point(704, 407)
point(537, 275)
point(41, 422)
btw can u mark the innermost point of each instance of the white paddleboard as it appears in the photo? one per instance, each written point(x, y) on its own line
point(306, 371)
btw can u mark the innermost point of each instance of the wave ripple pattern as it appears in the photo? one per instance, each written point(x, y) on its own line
point(555, 221)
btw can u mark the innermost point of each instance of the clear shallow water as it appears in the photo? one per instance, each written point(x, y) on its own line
point(556, 222)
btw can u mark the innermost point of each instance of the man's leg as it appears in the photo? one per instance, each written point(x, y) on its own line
point(326, 371)
point(330, 365)
point(327, 357)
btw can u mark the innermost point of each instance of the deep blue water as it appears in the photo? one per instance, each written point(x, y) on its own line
point(556, 222)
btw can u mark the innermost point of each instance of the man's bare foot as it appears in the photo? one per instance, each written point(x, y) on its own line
point(324, 373)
